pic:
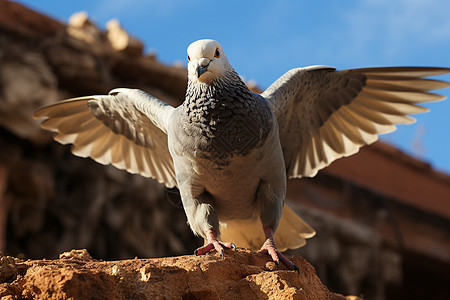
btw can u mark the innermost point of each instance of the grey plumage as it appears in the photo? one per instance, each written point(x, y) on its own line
point(225, 117)
point(230, 151)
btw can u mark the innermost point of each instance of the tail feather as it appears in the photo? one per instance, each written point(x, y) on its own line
point(290, 234)
point(292, 231)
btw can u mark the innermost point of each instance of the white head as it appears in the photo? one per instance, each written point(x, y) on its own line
point(207, 61)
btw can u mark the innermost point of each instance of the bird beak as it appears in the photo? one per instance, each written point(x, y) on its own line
point(201, 70)
point(202, 66)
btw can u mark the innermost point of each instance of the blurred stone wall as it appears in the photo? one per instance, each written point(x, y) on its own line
point(53, 201)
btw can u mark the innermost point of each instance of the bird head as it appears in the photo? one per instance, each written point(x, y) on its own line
point(207, 61)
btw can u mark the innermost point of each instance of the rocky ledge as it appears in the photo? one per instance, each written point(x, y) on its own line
point(241, 275)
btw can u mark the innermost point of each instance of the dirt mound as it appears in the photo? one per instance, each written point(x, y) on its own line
point(241, 275)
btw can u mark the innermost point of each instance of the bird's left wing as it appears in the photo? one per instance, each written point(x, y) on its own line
point(127, 128)
point(324, 114)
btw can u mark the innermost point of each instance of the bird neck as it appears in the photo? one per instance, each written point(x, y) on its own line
point(221, 92)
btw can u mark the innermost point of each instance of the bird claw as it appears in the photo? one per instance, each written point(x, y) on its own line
point(219, 246)
point(270, 249)
point(295, 268)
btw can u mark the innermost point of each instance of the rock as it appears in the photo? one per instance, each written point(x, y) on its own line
point(7, 268)
point(10, 267)
point(82, 28)
point(120, 39)
point(241, 275)
point(77, 254)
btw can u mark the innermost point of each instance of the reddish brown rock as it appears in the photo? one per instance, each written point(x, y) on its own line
point(241, 275)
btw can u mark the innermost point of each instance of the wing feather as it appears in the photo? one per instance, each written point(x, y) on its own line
point(70, 123)
point(417, 72)
point(390, 83)
point(116, 152)
point(127, 128)
point(324, 114)
point(402, 96)
point(71, 107)
point(100, 145)
point(379, 117)
point(391, 108)
point(86, 137)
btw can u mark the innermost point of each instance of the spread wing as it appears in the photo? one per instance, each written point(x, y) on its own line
point(127, 128)
point(324, 114)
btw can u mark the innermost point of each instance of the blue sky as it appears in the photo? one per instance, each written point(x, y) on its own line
point(264, 39)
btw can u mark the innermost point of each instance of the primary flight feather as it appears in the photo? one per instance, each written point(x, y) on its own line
point(230, 151)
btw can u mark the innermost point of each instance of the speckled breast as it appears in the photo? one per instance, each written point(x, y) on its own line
point(227, 123)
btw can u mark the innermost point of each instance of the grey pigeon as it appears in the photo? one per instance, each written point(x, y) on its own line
point(230, 151)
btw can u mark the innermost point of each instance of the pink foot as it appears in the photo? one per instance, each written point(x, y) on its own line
point(212, 242)
point(270, 248)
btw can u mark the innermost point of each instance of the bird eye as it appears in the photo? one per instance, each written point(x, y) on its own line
point(188, 58)
point(217, 53)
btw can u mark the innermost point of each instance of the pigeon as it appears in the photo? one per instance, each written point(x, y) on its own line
point(230, 151)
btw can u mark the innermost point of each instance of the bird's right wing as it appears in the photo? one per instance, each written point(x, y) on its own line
point(127, 128)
